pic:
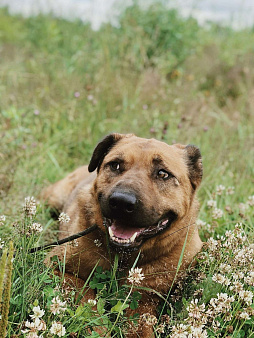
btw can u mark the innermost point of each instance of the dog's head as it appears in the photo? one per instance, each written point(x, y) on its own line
point(143, 185)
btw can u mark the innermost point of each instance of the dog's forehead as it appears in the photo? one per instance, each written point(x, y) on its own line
point(148, 150)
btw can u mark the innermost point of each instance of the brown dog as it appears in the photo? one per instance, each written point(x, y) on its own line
point(143, 200)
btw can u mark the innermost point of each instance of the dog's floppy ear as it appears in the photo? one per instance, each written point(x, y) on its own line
point(194, 163)
point(102, 149)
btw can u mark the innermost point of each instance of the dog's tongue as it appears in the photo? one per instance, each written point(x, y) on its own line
point(123, 232)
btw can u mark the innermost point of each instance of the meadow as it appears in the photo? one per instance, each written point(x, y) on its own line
point(63, 87)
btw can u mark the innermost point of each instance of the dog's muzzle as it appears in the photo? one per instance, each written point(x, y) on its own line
point(128, 224)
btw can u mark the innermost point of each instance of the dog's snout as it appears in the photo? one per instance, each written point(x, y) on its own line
point(123, 202)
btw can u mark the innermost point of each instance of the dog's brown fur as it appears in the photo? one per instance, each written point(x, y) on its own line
point(79, 196)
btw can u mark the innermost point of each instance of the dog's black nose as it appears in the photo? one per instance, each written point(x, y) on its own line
point(123, 202)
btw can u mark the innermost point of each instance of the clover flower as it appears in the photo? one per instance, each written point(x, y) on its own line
point(250, 201)
point(211, 204)
point(148, 319)
point(38, 313)
point(58, 329)
point(57, 305)
point(217, 213)
point(135, 276)
point(197, 332)
point(200, 223)
point(1, 244)
point(243, 207)
point(196, 312)
point(160, 328)
point(244, 315)
point(219, 278)
point(230, 190)
point(179, 331)
point(74, 243)
point(33, 328)
point(36, 228)
point(29, 207)
point(249, 279)
point(225, 268)
point(2, 220)
point(246, 296)
point(92, 302)
point(219, 189)
point(236, 287)
point(64, 218)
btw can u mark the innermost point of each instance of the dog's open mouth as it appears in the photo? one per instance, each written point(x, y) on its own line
point(126, 236)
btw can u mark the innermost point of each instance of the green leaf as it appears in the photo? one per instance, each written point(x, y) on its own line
point(79, 310)
point(119, 307)
point(71, 313)
point(100, 305)
point(134, 304)
point(99, 269)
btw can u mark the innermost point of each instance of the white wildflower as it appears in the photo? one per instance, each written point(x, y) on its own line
point(36, 228)
point(200, 223)
point(135, 276)
point(74, 243)
point(1, 243)
point(237, 275)
point(230, 190)
point(246, 296)
point(221, 304)
point(217, 213)
point(92, 302)
point(90, 97)
point(160, 328)
point(219, 189)
point(213, 244)
point(236, 286)
point(29, 207)
point(57, 305)
point(249, 279)
point(58, 329)
point(198, 332)
point(2, 220)
point(219, 278)
point(243, 207)
point(244, 315)
point(196, 312)
point(211, 204)
point(38, 313)
point(225, 268)
point(179, 331)
point(148, 319)
point(250, 201)
point(33, 327)
point(64, 218)
point(33, 335)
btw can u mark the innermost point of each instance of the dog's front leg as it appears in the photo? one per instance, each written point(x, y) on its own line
point(70, 282)
point(147, 317)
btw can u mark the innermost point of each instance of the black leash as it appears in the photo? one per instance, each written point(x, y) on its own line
point(81, 234)
point(65, 240)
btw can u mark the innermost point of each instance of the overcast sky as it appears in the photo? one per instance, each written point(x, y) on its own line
point(238, 12)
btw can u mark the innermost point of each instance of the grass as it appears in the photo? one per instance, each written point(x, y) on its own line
point(63, 87)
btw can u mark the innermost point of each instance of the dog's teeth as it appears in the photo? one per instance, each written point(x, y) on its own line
point(121, 240)
point(110, 232)
point(165, 222)
point(133, 237)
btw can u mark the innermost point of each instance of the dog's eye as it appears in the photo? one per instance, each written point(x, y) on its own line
point(163, 174)
point(115, 166)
